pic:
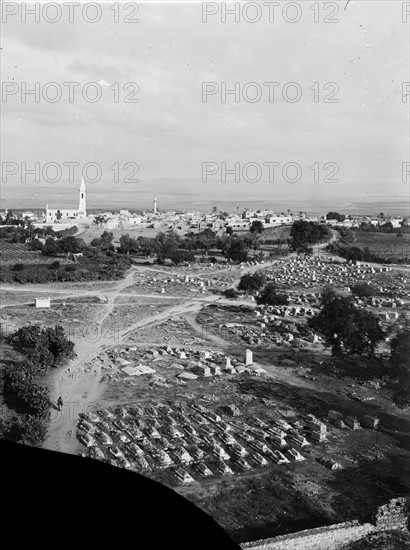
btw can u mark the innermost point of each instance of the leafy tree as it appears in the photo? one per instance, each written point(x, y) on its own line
point(72, 244)
point(229, 230)
point(347, 236)
point(335, 216)
point(400, 366)
point(104, 243)
point(347, 329)
point(270, 296)
point(99, 220)
point(328, 294)
point(252, 282)
point(57, 343)
point(59, 215)
point(354, 254)
point(362, 290)
point(305, 233)
point(305, 250)
point(147, 246)
point(31, 429)
point(50, 344)
point(179, 256)
point(128, 245)
point(204, 240)
point(236, 250)
point(400, 354)
point(51, 247)
point(25, 337)
point(35, 244)
point(257, 227)
point(252, 240)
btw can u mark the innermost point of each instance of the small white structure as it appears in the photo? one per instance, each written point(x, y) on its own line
point(248, 357)
point(42, 302)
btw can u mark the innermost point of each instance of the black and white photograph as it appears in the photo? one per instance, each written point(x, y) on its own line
point(205, 274)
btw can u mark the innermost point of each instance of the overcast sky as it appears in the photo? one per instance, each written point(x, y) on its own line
point(170, 132)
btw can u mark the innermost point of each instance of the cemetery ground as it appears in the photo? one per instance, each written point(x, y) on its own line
point(139, 393)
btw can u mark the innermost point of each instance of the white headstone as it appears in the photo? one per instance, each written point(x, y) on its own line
point(248, 357)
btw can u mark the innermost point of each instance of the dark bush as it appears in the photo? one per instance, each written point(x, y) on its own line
point(230, 293)
point(362, 290)
point(270, 296)
point(31, 430)
point(252, 282)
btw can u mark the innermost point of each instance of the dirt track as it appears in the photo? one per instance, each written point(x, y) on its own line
point(85, 389)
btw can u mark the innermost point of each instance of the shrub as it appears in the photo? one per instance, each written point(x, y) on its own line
point(230, 293)
point(270, 296)
point(55, 265)
point(252, 282)
point(362, 290)
point(35, 244)
point(31, 430)
point(18, 267)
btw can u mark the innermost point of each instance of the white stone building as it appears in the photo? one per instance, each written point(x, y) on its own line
point(63, 214)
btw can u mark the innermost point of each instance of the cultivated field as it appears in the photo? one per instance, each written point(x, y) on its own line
point(388, 245)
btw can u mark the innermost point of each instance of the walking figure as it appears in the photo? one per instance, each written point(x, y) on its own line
point(60, 403)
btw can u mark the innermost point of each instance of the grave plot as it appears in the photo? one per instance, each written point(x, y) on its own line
point(174, 285)
point(173, 331)
point(315, 273)
point(261, 327)
point(192, 440)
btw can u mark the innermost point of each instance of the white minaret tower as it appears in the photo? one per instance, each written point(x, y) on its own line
point(82, 211)
point(155, 205)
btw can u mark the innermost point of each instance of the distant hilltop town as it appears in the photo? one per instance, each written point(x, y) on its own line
point(60, 218)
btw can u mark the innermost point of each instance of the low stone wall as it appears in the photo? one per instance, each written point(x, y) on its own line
point(393, 515)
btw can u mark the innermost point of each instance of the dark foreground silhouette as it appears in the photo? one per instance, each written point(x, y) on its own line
point(75, 500)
